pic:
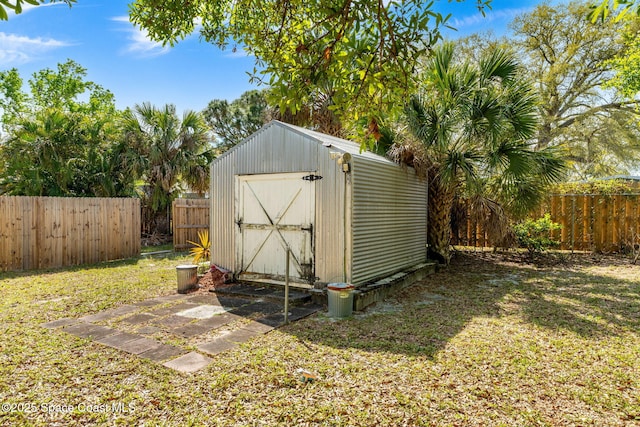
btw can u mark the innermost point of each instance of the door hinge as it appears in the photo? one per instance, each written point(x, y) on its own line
point(312, 177)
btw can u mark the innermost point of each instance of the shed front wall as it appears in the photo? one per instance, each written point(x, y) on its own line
point(276, 149)
point(389, 219)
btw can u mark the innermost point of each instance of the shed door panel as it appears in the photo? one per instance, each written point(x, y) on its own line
point(276, 211)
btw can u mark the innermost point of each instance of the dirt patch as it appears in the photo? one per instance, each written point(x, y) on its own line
point(212, 280)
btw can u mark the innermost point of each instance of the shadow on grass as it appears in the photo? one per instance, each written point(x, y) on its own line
point(422, 319)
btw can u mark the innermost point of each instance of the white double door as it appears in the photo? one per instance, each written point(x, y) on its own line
point(275, 212)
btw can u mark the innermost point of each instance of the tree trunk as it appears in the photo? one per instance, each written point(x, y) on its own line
point(439, 222)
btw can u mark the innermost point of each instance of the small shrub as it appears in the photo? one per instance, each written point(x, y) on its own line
point(535, 235)
point(201, 250)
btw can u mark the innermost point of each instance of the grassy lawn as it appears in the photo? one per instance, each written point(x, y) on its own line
point(487, 342)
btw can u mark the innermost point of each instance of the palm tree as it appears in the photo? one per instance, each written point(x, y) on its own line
point(166, 151)
point(61, 153)
point(473, 123)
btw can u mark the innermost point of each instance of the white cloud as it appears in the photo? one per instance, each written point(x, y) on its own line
point(470, 21)
point(139, 41)
point(16, 49)
point(26, 7)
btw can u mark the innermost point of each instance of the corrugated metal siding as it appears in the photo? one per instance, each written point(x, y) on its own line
point(223, 225)
point(330, 217)
point(276, 149)
point(389, 219)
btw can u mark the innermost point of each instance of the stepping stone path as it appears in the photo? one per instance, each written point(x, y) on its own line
point(130, 327)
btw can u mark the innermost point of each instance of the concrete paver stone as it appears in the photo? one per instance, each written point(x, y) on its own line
point(162, 353)
point(173, 309)
point(258, 327)
point(191, 330)
point(217, 345)
point(110, 314)
point(117, 339)
point(171, 321)
point(190, 362)
point(139, 346)
point(204, 311)
point(233, 301)
point(139, 318)
point(241, 335)
point(211, 299)
point(65, 321)
point(217, 321)
point(87, 330)
point(149, 330)
point(261, 307)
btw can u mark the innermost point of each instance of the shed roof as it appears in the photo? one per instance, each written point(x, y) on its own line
point(328, 141)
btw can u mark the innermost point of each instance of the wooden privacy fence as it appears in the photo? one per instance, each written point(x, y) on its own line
point(45, 232)
point(189, 217)
point(590, 222)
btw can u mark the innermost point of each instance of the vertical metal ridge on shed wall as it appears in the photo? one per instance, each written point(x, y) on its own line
point(389, 219)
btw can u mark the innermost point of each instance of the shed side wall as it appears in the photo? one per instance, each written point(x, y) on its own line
point(389, 219)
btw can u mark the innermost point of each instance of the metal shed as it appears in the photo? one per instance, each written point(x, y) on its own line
point(346, 216)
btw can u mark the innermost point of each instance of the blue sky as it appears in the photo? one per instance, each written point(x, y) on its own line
point(97, 35)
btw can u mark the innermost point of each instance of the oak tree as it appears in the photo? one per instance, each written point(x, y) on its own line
point(365, 51)
point(569, 59)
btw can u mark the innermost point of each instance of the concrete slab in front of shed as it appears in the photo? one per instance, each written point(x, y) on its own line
point(260, 307)
point(295, 313)
point(190, 362)
point(233, 301)
point(273, 294)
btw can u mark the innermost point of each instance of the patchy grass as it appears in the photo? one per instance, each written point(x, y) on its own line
point(157, 248)
point(487, 342)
